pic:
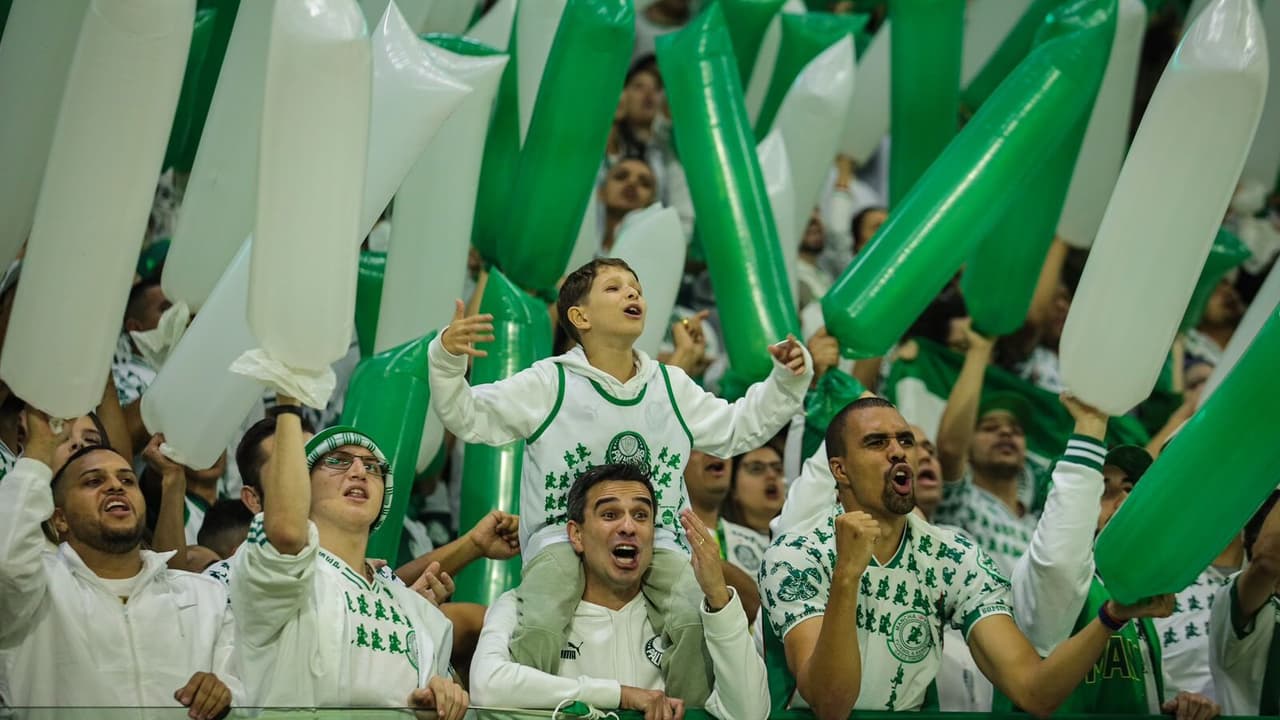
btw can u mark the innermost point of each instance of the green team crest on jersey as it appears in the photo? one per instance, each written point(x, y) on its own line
point(411, 649)
point(909, 639)
point(628, 447)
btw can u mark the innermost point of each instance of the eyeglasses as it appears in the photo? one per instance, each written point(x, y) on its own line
point(338, 461)
point(755, 467)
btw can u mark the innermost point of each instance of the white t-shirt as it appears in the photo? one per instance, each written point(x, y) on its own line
point(1245, 665)
point(984, 517)
point(1184, 637)
point(743, 547)
point(937, 579)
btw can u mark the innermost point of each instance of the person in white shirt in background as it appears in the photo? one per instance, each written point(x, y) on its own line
point(848, 198)
point(741, 548)
point(1244, 626)
point(98, 621)
point(812, 279)
point(316, 625)
point(612, 655)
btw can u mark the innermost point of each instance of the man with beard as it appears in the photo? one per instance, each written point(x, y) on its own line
point(1222, 313)
point(989, 492)
point(629, 185)
point(813, 281)
point(98, 621)
point(875, 570)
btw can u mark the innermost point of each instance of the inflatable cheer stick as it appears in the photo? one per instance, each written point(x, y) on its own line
point(491, 475)
point(535, 35)
point(1166, 209)
point(959, 199)
point(388, 399)
point(986, 24)
point(431, 234)
point(494, 27)
point(1015, 46)
point(928, 36)
point(747, 21)
point(222, 193)
point(180, 136)
point(310, 178)
point(411, 98)
point(776, 168)
point(1264, 305)
point(501, 156)
point(868, 118)
point(652, 243)
point(561, 155)
point(734, 222)
point(1263, 164)
point(804, 37)
point(35, 53)
point(1107, 136)
point(1001, 276)
point(1179, 520)
point(121, 89)
point(370, 282)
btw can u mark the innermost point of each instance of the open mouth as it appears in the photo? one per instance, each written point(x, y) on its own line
point(1006, 447)
point(117, 508)
point(715, 467)
point(356, 493)
point(901, 477)
point(927, 476)
point(633, 310)
point(626, 556)
point(773, 491)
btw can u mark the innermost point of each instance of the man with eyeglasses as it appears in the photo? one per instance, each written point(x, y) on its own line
point(317, 626)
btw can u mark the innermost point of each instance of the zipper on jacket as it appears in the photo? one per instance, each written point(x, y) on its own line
point(133, 652)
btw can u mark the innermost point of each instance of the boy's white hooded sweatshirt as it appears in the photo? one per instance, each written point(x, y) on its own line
point(67, 640)
point(575, 416)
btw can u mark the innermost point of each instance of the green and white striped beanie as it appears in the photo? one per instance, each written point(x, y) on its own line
point(330, 439)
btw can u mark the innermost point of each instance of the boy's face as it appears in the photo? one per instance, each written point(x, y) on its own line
point(615, 307)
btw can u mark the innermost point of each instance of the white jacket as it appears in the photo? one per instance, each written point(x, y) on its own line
point(606, 650)
point(66, 640)
point(290, 624)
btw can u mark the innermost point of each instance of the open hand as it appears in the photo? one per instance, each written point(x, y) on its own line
point(790, 353)
point(434, 585)
point(690, 344)
point(465, 331)
point(706, 560)
point(205, 696)
point(41, 441)
point(444, 696)
point(497, 535)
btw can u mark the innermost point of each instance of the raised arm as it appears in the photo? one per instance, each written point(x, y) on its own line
point(170, 534)
point(1051, 581)
point(955, 429)
point(1260, 579)
point(1039, 686)
point(286, 484)
point(822, 652)
point(496, 536)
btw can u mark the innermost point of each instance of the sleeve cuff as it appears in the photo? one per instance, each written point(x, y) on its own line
point(444, 359)
point(981, 614)
point(1086, 451)
point(727, 621)
point(600, 693)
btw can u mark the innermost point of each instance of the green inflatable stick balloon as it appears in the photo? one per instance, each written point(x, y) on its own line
point(491, 475)
point(833, 391)
point(925, 55)
point(735, 222)
point(963, 194)
point(1001, 276)
point(180, 134)
point(373, 268)
point(747, 21)
point(388, 398)
point(804, 37)
point(499, 161)
point(1007, 55)
point(1227, 253)
point(567, 134)
point(224, 22)
point(1202, 489)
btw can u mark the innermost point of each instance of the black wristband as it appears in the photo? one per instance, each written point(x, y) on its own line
point(1112, 623)
point(279, 410)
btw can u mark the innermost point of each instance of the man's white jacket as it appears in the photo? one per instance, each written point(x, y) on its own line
point(66, 640)
point(607, 649)
point(290, 628)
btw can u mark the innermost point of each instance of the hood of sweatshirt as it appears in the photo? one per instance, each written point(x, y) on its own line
point(575, 361)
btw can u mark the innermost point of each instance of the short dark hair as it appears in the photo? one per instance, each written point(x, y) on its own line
point(647, 63)
point(616, 472)
point(249, 458)
point(1253, 528)
point(578, 285)
point(57, 476)
point(225, 526)
point(137, 293)
point(855, 225)
point(835, 431)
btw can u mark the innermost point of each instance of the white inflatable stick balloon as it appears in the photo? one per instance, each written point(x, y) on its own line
point(590, 233)
point(450, 17)
point(415, 12)
point(1166, 209)
point(222, 193)
point(494, 28)
point(1107, 135)
point(1263, 307)
point(121, 91)
point(1263, 164)
point(868, 120)
point(431, 230)
point(651, 241)
point(315, 130)
point(811, 118)
point(411, 99)
point(986, 23)
point(535, 32)
point(762, 71)
point(35, 52)
point(776, 168)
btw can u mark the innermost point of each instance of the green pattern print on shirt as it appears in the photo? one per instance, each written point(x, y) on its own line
point(375, 636)
point(799, 585)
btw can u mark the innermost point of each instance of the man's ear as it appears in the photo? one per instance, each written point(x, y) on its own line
point(575, 536)
point(578, 318)
point(59, 522)
point(837, 469)
point(250, 498)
